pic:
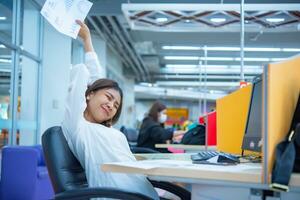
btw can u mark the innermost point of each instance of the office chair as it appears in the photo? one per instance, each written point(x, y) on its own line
point(131, 136)
point(69, 180)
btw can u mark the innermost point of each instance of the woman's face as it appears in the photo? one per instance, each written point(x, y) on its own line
point(102, 105)
point(162, 116)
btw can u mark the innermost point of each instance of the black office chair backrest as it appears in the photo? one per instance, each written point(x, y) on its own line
point(132, 135)
point(66, 173)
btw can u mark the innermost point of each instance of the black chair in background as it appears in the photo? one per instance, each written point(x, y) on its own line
point(132, 136)
point(69, 180)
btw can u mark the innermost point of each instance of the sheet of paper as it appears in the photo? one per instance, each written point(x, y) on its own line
point(61, 14)
point(151, 164)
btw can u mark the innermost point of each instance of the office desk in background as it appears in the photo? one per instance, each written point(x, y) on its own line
point(207, 181)
point(186, 148)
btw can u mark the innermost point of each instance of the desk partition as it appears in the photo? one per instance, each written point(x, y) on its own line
point(281, 91)
point(231, 120)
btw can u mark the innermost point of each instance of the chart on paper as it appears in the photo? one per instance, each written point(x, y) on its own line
point(62, 14)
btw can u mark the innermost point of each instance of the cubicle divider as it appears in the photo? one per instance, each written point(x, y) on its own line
point(280, 95)
point(231, 120)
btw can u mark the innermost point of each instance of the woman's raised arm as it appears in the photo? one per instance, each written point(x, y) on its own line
point(85, 35)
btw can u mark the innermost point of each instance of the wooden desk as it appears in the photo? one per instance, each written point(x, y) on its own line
point(206, 181)
point(185, 169)
point(187, 148)
point(165, 156)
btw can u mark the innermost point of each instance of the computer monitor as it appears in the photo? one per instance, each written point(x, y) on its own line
point(253, 132)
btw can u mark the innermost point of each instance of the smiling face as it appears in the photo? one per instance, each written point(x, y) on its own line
point(102, 105)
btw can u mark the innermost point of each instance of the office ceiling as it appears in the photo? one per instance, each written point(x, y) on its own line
point(162, 43)
point(169, 40)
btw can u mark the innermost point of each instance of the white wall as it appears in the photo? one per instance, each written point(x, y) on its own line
point(55, 76)
point(101, 51)
point(114, 66)
point(142, 108)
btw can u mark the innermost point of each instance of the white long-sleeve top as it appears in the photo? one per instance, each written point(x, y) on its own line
point(94, 144)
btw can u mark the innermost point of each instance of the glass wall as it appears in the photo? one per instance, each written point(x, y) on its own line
point(6, 16)
point(27, 101)
point(20, 25)
point(5, 77)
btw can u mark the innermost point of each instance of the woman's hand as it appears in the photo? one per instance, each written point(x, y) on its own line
point(178, 132)
point(177, 135)
point(84, 31)
point(85, 35)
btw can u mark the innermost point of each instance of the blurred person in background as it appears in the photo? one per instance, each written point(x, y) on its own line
point(152, 130)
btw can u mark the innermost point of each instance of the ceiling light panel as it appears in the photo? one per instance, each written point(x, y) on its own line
point(208, 17)
point(217, 20)
point(180, 66)
point(221, 58)
point(209, 71)
point(275, 20)
point(250, 49)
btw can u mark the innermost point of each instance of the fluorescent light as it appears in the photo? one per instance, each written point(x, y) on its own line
point(209, 71)
point(181, 48)
point(2, 46)
point(5, 60)
point(253, 59)
point(290, 50)
point(220, 58)
point(275, 20)
point(187, 21)
point(223, 48)
point(217, 19)
point(261, 49)
point(231, 48)
point(196, 83)
point(161, 19)
point(146, 84)
point(180, 66)
point(181, 58)
point(2, 18)
point(277, 59)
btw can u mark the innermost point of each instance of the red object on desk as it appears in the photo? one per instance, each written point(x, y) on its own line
point(212, 128)
point(211, 123)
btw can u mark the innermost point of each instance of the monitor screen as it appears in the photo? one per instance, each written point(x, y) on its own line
point(253, 133)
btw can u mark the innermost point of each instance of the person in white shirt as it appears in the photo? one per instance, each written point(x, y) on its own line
point(93, 106)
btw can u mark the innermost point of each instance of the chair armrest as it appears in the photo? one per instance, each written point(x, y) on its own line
point(174, 189)
point(86, 193)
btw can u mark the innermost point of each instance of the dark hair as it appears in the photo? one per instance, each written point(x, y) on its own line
point(101, 84)
point(155, 109)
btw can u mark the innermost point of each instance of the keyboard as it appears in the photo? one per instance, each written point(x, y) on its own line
point(204, 155)
point(222, 157)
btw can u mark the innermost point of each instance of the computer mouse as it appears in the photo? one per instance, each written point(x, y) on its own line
point(227, 158)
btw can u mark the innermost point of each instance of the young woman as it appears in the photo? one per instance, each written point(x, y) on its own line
point(152, 131)
point(93, 106)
